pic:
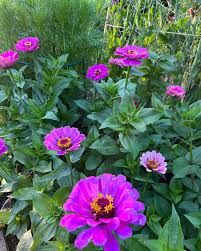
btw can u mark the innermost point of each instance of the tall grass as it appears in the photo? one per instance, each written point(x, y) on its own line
point(63, 26)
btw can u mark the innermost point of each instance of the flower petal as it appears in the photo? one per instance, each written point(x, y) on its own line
point(100, 235)
point(124, 231)
point(72, 221)
point(112, 244)
point(83, 238)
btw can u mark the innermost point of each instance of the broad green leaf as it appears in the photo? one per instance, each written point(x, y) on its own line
point(172, 235)
point(194, 218)
point(93, 161)
point(130, 143)
point(150, 115)
point(113, 123)
point(25, 242)
point(105, 146)
point(4, 216)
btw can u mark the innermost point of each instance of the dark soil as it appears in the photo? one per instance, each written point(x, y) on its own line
point(11, 241)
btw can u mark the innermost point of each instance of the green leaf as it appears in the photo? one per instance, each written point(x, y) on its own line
point(61, 195)
point(84, 104)
point(50, 115)
point(172, 235)
point(156, 102)
point(138, 124)
point(194, 218)
point(105, 146)
point(3, 96)
point(43, 166)
point(4, 216)
point(130, 143)
point(93, 161)
point(181, 168)
point(150, 115)
point(76, 155)
point(113, 123)
point(25, 242)
point(27, 193)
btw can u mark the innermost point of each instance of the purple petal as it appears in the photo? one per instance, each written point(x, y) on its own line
point(83, 238)
point(112, 244)
point(72, 221)
point(124, 231)
point(100, 235)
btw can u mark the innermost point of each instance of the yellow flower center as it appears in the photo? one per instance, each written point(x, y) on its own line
point(27, 44)
point(64, 143)
point(152, 164)
point(102, 206)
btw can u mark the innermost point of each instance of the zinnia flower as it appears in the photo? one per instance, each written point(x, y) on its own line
point(8, 58)
point(106, 206)
point(176, 91)
point(97, 72)
point(28, 44)
point(124, 62)
point(153, 162)
point(64, 140)
point(3, 147)
point(132, 52)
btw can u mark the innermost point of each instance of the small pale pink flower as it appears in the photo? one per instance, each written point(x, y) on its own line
point(3, 147)
point(176, 91)
point(124, 62)
point(97, 72)
point(28, 44)
point(132, 52)
point(64, 140)
point(104, 207)
point(153, 162)
point(8, 58)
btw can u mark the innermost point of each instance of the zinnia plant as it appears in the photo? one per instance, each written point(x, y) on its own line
point(8, 58)
point(153, 162)
point(28, 44)
point(97, 72)
point(64, 140)
point(107, 206)
point(3, 147)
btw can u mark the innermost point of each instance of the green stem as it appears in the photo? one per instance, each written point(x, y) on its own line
point(191, 158)
point(145, 186)
point(71, 168)
point(127, 77)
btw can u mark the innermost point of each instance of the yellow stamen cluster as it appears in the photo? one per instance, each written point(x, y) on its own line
point(64, 143)
point(133, 52)
point(107, 208)
point(152, 164)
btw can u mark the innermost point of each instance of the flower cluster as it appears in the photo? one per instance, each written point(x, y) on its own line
point(9, 58)
point(131, 55)
point(175, 91)
point(106, 205)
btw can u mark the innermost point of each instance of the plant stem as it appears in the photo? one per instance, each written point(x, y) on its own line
point(145, 186)
point(71, 168)
point(127, 77)
point(191, 158)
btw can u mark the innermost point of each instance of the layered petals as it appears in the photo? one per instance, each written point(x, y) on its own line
point(108, 205)
point(28, 44)
point(8, 58)
point(64, 140)
point(175, 91)
point(97, 72)
point(3, 147)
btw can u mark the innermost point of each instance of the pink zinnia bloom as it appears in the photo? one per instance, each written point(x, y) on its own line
point(132, 52)
point(64, 140)
point(106, 206)
point(8, 58)
point(97, 72)
point(124, 62)
point(176, 91)
point(153, 162)
point(28, 44)
point(3, 147)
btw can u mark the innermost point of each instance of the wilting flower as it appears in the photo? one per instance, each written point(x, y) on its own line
point(153, 162)
point(64, 140)
point(27, 44)
point(97, 72)
point(3, 147)
point(8, 58)
point(106, 206)
point(132, 52)
point(176, 91)
point(124, 62)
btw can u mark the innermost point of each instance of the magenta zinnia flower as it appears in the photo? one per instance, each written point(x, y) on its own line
point(176, 91)
point(28, 44)
point(153, 162)
point(3, 147)
point(106, 206)
point(132, 52)
point(124, 62)
point(8, 58)
point(97, 72)
point(64, 140)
